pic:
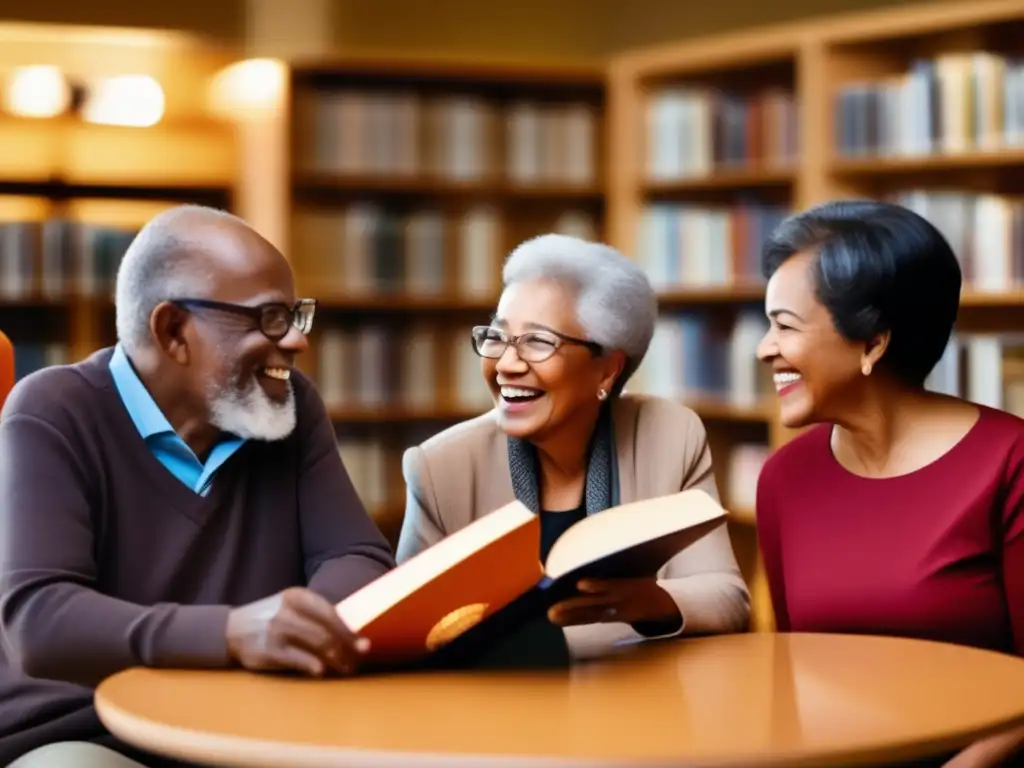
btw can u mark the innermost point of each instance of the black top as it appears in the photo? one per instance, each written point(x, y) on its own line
point(554, 524)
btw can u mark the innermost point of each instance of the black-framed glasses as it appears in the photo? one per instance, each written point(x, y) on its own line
point(274, 319)
point(532, 346)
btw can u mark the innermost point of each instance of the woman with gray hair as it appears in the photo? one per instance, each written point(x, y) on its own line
point(573, 324)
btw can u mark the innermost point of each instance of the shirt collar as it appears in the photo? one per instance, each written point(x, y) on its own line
point(148, 418)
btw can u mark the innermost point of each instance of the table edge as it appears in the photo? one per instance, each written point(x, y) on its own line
point(242, 752)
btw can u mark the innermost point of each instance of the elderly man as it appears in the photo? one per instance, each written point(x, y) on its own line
point(175, 501)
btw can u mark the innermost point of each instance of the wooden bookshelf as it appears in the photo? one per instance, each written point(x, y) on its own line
point(964, 173)
point(410, 182)
point(73, 193)
point(61, 246)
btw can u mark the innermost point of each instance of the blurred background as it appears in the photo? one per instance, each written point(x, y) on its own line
point(396, 150)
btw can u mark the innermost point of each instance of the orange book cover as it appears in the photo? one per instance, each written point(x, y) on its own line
point(468, 579)
point(415, 609)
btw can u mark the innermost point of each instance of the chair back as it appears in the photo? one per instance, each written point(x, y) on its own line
point(6, 368)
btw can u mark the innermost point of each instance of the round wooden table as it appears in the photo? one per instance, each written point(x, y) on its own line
point(737, 700)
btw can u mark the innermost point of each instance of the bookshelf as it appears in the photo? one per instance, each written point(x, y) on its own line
point(920, 104)
point(410, 182)
point(74, 193)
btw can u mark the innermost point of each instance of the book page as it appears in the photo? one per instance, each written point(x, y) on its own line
point(629, 525)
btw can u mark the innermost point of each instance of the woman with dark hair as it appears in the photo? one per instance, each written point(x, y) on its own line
point(899, 511)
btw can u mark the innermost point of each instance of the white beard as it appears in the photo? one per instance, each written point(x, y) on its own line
point(251, 414)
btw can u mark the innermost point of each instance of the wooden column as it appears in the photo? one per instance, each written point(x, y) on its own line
point(279, 30)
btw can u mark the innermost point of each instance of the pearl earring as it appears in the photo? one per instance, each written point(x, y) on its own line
point(602, 394)
point(866, 370)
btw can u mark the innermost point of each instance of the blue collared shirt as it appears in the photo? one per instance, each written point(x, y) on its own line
point(169, 449)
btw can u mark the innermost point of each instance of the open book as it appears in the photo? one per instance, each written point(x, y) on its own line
point(466, 581)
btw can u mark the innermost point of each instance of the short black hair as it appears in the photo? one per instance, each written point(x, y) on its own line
point(879, 267)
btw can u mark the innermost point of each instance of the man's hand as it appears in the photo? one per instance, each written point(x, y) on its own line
point(294, 629)
point(632, 601)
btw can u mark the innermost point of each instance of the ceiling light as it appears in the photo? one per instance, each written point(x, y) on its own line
point(40, 91)
point(131, 100)
point(248, 87)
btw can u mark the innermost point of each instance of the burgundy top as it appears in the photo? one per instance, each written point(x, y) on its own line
point(935, 554)
point(108, 561)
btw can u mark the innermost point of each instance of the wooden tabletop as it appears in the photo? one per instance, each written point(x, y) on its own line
point(738, 700)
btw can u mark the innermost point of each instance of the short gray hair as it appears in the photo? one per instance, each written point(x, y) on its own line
point(159, 265)
point(615, 303)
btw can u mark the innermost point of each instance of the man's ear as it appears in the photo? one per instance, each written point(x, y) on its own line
point(167, 324)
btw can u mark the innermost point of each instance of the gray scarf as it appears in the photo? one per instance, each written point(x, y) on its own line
point(601, 491)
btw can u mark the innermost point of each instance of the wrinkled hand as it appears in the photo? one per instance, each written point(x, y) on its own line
point(296, 629)
point(633, 601)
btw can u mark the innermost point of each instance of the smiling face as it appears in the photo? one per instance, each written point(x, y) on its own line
point(241, 374)
point(535, 400)
point(817, 371)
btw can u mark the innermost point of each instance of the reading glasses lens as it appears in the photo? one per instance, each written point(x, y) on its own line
point(530, 348)
point(276, 323)
point(491, 347)
point(535, 353)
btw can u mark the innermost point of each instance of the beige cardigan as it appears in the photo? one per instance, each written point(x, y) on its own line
point(661, 447)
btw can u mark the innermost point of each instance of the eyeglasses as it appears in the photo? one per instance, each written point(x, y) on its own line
point(274, 319)
point(532, 346)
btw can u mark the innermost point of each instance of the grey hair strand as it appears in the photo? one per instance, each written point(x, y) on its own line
point(615, 303)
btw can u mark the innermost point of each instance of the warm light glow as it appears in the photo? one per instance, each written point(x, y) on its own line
point(248, 88)
point(41, 91)
point(132, 100)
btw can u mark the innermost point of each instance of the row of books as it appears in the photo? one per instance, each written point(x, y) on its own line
point(456, 137)
point(696, 355)
point(695, 131)
point(367, 249)
point(434, 368)
point(33, 356)
point(986, 232)
point(369, 463)
point(373, 465)
point(985, 368)
point(744, 464)
point(957, 102)
point(58, 258)
point(700, 246)
point(693, 246)
point(693, 355)
point(422, 369)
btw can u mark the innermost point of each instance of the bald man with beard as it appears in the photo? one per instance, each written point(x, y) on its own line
point(177, 500)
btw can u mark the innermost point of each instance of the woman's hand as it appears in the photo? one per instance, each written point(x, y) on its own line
point(632, 601)
point(991, 752)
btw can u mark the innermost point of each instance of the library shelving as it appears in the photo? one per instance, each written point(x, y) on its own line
point(713, 139)
point(59, 252)
point(73, 193)
point(410, 181)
